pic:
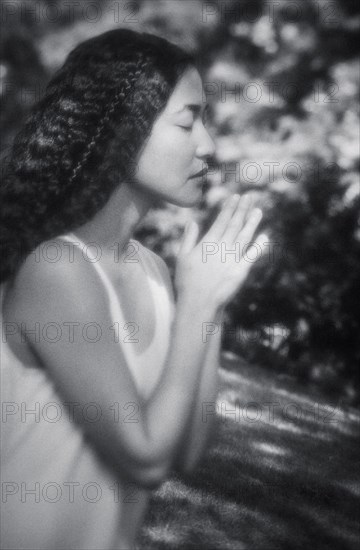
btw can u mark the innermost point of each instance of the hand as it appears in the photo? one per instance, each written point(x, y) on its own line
point(210, 270)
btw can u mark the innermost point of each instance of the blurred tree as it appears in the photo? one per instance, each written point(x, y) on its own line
point(298, 309)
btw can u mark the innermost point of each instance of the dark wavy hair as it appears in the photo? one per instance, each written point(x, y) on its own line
point(84, 137)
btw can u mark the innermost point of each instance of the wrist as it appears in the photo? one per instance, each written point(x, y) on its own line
point(196, 300)
point(195, 304)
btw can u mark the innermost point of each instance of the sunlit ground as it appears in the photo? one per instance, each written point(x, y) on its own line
point(278, 476)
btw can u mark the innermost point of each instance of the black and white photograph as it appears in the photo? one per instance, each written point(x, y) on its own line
point(180, 269)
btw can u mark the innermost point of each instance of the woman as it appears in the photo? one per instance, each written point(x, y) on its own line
point(99, 403)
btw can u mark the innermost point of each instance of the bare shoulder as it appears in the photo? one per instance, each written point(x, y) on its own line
point(53, 275)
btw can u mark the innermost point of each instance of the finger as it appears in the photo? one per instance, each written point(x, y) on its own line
point(237, 221)
point(217, 229)
point(247, 233)
point(190, 236)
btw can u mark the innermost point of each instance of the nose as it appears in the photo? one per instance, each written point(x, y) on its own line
point(205, 145)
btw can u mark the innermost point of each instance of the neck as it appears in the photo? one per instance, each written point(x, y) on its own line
point(116, 222)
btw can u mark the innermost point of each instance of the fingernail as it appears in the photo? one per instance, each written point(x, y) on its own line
point(258, 212)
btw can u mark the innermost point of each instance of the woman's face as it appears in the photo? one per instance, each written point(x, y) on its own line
point(178, 147)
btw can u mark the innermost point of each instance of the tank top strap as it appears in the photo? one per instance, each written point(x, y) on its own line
point(114, 305)
point(161, 288)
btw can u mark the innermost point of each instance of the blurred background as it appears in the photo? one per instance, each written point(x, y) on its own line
point(282, 80)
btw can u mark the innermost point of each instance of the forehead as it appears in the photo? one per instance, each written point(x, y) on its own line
point(188, 90)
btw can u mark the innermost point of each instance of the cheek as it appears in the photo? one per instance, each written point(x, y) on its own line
point(166, 153)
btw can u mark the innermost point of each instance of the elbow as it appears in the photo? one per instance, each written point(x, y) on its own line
point(140, 470)
point(150, 481)
point(150, 477)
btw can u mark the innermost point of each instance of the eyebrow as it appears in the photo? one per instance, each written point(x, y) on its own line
point(194, 107)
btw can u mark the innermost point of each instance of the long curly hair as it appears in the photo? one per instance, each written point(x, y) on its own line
point(84, 137)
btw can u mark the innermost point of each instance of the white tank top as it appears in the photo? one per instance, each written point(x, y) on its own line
point(56, 492)
point(145, 366)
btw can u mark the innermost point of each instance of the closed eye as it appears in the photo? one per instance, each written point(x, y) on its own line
point(187, 128)
point(204, 120)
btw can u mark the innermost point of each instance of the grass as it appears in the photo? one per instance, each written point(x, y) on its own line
point(287, 481)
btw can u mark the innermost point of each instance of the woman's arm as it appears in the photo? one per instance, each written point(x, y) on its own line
point(85, 371)
point(201, 422)
point(201, 427)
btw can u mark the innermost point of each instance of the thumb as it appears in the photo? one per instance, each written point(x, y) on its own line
point(190, 236)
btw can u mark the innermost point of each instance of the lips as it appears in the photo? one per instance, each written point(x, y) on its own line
point(202, 172)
